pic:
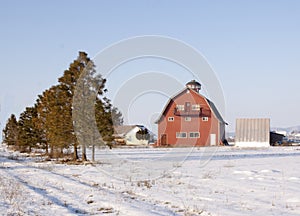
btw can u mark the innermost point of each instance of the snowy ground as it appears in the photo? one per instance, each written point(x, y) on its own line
point(185, 181)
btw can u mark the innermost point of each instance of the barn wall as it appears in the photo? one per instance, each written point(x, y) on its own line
point(222, 131)
point(195, 125)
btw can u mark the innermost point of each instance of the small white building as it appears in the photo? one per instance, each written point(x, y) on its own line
point(127, 135)
point(252, 132)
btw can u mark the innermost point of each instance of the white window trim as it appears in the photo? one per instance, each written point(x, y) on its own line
point(196, 107)
point(180, 107)
point(193, 137)
point(204, 118)
point(171, 119)
point(179, 137)
point(188, 119)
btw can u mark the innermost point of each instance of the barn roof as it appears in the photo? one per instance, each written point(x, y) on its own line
point(215, 111)
point(193, 83)
point(210, 103)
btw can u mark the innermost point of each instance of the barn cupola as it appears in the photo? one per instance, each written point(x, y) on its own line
point(194, 85)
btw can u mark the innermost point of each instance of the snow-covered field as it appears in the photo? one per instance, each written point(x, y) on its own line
point(184, 181)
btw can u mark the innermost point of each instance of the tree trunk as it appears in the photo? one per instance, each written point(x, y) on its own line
point(47, 151)
point(84, 153)
point(93, 153)
point(75, 153)
point(51, 151)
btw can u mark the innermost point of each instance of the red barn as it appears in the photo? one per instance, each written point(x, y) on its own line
point(190, 119)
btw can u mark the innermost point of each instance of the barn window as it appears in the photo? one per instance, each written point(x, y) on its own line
point(188, 119)
point(196, 107)
point(171, 119)
point(187, 106)
point(204, 118)
point(180, 107)
point(194, 135)
point(181, 135)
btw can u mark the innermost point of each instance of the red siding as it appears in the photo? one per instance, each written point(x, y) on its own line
point(169, 128)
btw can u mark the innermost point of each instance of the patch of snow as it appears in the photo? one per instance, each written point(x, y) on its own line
point(185, 181)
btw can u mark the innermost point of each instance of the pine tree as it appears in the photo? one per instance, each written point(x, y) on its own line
point(28, 133)
point(93, 112)
point(116, 116)
point(89, 89)
point(69, 81)
point(11, 131)
point(55, 120)
point(44, 104)
point(143, 134)
point(42, 110)
point(107, 117)
point(76, 102)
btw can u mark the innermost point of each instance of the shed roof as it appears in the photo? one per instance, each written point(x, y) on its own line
point(123, 129)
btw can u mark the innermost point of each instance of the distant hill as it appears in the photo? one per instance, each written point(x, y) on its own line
point(288, 129)
point(230, 134)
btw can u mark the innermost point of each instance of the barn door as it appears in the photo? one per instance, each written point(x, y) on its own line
point(163, 139)
point(213, 140)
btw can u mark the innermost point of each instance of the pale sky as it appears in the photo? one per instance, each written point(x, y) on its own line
point(253, 47)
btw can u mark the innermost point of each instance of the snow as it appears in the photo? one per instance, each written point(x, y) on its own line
point(154, 181)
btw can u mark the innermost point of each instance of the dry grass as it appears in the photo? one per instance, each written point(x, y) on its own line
point(11, 195)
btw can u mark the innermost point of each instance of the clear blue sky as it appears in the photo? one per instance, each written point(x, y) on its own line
point(253, 46)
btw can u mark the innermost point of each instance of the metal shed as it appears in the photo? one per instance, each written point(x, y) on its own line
point(252, 132)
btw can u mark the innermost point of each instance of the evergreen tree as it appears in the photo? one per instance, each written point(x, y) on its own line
point(93, 112)
point(42, 110)
point(104, 119)
point(44, 104)
point(104, 122)
point(89, 89)
point(107, 117)
point(55, 120)
point(11, 131)
point(69, 82)
point(76, 102)
point(28, 133)
point(116, 116)
point(143, 134)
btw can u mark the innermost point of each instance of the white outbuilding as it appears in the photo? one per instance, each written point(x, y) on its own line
point(252, 132)
point(128, 135)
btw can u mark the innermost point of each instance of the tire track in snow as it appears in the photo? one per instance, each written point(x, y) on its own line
point(41, 191)
point(50, 190)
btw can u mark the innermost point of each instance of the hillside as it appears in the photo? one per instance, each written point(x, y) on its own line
point(288, 129)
